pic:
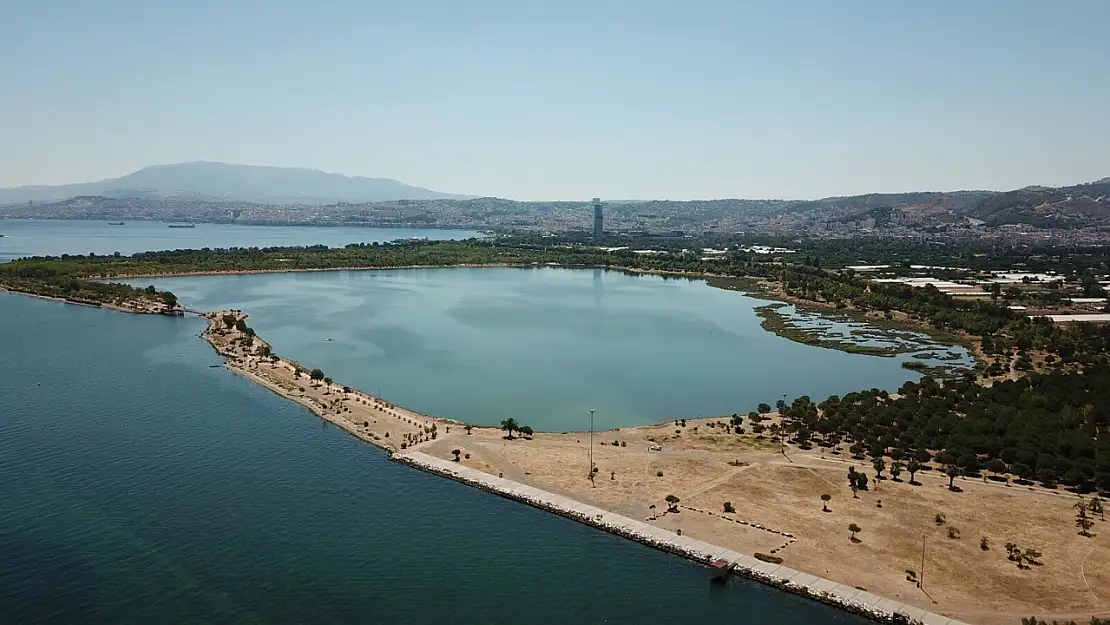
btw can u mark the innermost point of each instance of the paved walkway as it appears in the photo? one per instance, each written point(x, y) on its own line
point(798, 582)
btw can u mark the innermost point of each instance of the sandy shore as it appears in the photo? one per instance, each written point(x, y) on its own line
point(775, 498)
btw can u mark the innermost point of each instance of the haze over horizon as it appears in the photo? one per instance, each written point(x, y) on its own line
point(618, 99)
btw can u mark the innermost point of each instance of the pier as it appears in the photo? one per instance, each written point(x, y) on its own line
point(842, 596)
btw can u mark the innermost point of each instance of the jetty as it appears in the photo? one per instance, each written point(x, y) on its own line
point(847, 598)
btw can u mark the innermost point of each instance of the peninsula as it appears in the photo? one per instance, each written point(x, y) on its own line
point(961, 498)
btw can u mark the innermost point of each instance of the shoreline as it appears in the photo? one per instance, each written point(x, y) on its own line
point(846, 598)
point(850, 599)
point(397, 417)
point(755, 288)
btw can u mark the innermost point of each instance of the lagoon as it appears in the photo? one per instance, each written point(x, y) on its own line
point(543, 345)
point(140, 485)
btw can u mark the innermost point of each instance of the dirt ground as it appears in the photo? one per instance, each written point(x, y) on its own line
point(777, 501)
point(781, 493)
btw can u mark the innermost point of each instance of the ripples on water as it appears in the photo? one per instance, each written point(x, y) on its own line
point(541, 345)
point(138, 485)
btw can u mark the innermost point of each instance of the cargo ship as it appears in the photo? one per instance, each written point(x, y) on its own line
point(183, 225)
point(116, 223)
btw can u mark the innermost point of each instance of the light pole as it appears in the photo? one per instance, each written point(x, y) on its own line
point(591, 444)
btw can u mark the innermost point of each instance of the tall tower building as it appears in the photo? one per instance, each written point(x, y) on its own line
point(599, 219)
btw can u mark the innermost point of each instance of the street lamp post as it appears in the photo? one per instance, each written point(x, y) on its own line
point(591, 444)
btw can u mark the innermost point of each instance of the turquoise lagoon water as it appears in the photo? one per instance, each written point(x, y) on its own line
point(542, 345)
point(34, 237)
point(140, 485)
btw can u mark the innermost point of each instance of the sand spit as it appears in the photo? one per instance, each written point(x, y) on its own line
point(776, 492)
point(847, 598)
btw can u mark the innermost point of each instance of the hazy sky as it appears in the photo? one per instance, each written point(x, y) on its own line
point(567, 99)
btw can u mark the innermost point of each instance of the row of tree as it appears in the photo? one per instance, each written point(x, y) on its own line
point(1050, 428)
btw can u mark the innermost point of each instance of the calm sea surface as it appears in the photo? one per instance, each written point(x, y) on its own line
point(541, 345)
point(139, 485)
point(28, 237)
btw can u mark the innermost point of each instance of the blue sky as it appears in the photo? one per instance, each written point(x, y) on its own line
point(537, 99)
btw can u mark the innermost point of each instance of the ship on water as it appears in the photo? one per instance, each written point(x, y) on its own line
point(116, 223)
point(183, 225)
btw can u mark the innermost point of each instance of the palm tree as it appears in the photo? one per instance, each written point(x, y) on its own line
point(913, 466)
point(652, 508)
point(825, 502)
point(468, 428)
point(672, 503)
point(510, 425)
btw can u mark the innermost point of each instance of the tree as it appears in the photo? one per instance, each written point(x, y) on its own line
point(764, 408)
point(913, 466)
point(169, 299)
point(526, 430)
point(952, 471)
point(457, 453)
point(264, 351)
point(1082, 521)
point(854, 529)
point(468, 428)
point(728, 507)
point(327, 381)
point(853, 481)
point(997, 466)
point(229, 321)
point(825, 502)
point(316, 375)
point(1095, 506)
point(652, 508)
point(895, 470)
point(672, 503)
point(880, 465)
point(510, 425)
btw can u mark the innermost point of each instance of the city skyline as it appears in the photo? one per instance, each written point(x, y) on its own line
point(625, 100)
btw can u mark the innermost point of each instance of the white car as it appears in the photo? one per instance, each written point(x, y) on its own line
point(656, 448)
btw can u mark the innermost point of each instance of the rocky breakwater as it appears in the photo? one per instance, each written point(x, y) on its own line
point(854, 600)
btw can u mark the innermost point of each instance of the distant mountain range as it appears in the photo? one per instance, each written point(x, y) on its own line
point(1073, 206)
point(223, 181)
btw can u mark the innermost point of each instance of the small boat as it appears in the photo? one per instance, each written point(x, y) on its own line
point(183, 225)
point(719, 571)
point(116, 223)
